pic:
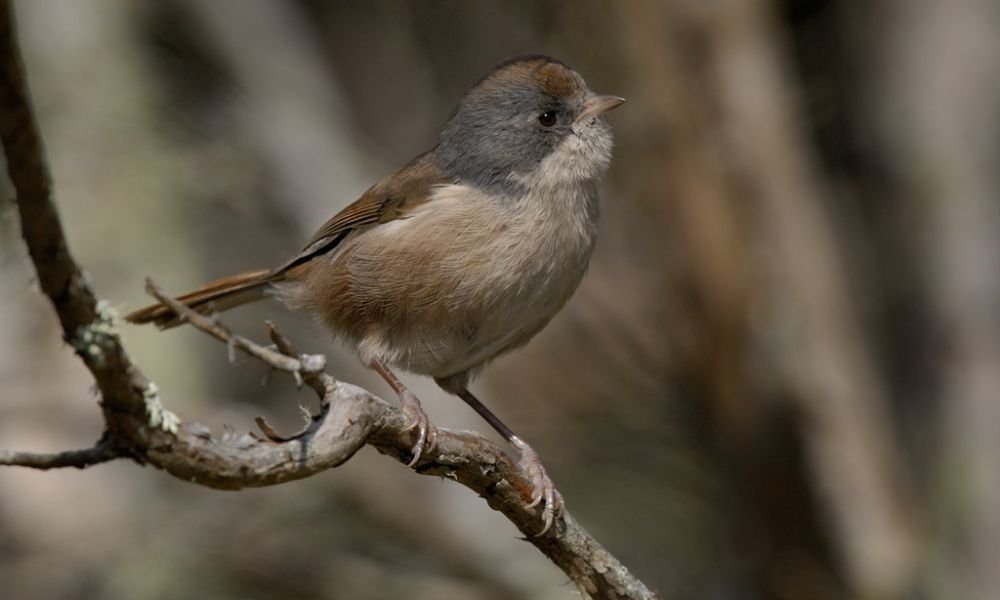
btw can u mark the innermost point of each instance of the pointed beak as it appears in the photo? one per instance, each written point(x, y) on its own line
point(596, 106)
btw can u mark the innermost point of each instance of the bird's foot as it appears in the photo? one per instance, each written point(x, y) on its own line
point(417, 418)
point(544, 491)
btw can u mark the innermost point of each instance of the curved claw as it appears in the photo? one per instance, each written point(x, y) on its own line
point(544, 491)
point(415, 415)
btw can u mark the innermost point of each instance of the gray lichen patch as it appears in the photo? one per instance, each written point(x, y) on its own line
point(95, 339)
point(157, 416)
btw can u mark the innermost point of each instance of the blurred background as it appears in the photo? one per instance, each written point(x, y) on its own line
point(779, 380)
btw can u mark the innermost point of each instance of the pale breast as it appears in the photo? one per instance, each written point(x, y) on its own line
point(465, 277)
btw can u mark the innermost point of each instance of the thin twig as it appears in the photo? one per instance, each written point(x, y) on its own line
point(103, 452)
point(313, 364)
point(220, 332)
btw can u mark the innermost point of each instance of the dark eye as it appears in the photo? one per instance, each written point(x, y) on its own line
point(548, 118)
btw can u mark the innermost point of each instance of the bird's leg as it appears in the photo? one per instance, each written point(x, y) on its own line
point(544, 491)
point(415, 415)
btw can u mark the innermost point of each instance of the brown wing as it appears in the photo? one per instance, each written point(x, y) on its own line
point(387, 200)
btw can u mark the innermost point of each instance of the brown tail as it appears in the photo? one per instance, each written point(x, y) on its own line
point(216, 296)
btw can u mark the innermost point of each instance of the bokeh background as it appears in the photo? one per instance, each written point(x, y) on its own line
point(780, 379)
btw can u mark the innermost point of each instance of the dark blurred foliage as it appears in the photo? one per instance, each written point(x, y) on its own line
point(779, 379)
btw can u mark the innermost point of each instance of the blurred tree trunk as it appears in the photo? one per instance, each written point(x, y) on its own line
point(827, 364)
point(714, 77)
point(933, 102)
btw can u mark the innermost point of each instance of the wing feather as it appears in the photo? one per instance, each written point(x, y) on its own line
point(386, 201)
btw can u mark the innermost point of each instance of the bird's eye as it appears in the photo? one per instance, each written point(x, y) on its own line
point(548, 118)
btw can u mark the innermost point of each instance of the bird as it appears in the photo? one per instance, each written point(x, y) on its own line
point(462, 255)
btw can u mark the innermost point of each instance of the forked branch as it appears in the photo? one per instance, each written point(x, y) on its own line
point(139, 427)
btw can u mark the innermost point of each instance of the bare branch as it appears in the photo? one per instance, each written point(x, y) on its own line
point(104, 451)
point(214, 328)
point(138, 426)
point(352, 417)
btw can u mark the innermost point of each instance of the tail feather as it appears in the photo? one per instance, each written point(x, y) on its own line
point(216, 296)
